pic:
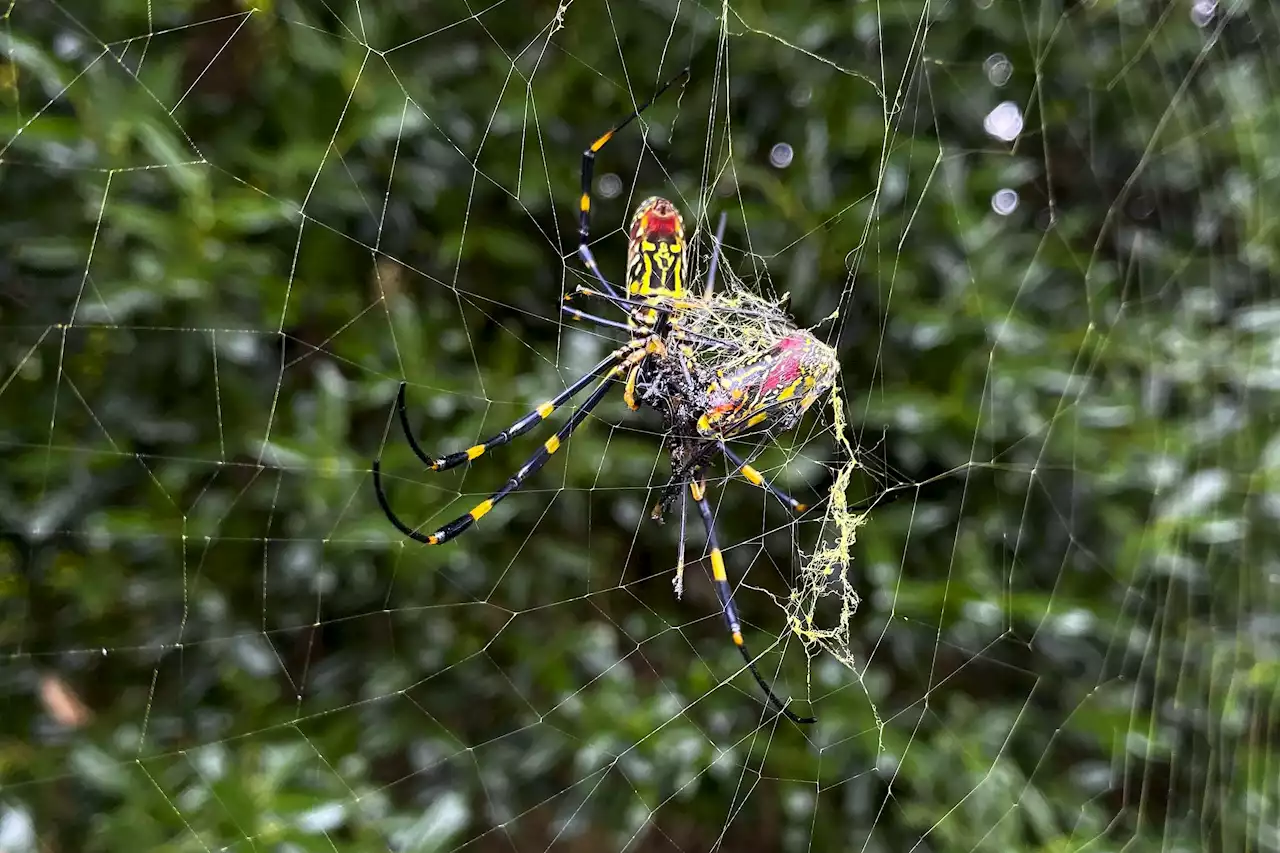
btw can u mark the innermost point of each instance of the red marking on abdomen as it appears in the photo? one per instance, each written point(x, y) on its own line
point(787, 369)
point(661, 226)
point(653, 225)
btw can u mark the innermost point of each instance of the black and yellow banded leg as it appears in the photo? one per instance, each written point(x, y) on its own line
point(699, 492)
point(517, 429)
point(460, 524)
point(592, 318)
point(588, 172)
point(625, 302)
point(653, 310)
point(756, 478)
point(629, 392)
point(650, 318)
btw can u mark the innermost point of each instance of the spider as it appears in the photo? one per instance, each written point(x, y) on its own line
point(686, 356)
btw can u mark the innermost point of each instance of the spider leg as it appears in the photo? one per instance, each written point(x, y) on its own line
point(588, 259)
point(588, 170)
point(665, 307)
point(699, 492)
point(629, 391)
point(715, 257)
point(517, 429)
point(684, 335)
point(592, 318)
point(678, 581)
point(461, 523)
point(624, 303)
point(756, 478)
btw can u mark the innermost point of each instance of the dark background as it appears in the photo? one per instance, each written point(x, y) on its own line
point(226, 235)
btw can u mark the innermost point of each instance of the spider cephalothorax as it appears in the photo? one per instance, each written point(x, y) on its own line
point(715, 365)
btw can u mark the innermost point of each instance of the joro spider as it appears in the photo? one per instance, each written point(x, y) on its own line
point(685, 357)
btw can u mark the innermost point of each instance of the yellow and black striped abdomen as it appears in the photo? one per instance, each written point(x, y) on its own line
point(656, 269)
point(656, 251)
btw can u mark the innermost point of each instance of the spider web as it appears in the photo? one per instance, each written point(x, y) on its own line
point(1033, 606)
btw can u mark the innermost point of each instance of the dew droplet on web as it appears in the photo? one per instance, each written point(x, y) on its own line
point(1202, 12)
point(998, 69)
point(781, 155)
point(1004, 122)
point(67, 46)
point(610, 185)
point(1004, 201)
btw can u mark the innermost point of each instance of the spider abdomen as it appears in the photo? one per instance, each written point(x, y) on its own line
point(655, 251)
point(772, 391)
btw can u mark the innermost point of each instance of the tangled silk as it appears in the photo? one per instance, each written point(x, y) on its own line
point(747, 369)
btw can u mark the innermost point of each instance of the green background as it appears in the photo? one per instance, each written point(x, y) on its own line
point(228, 234)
